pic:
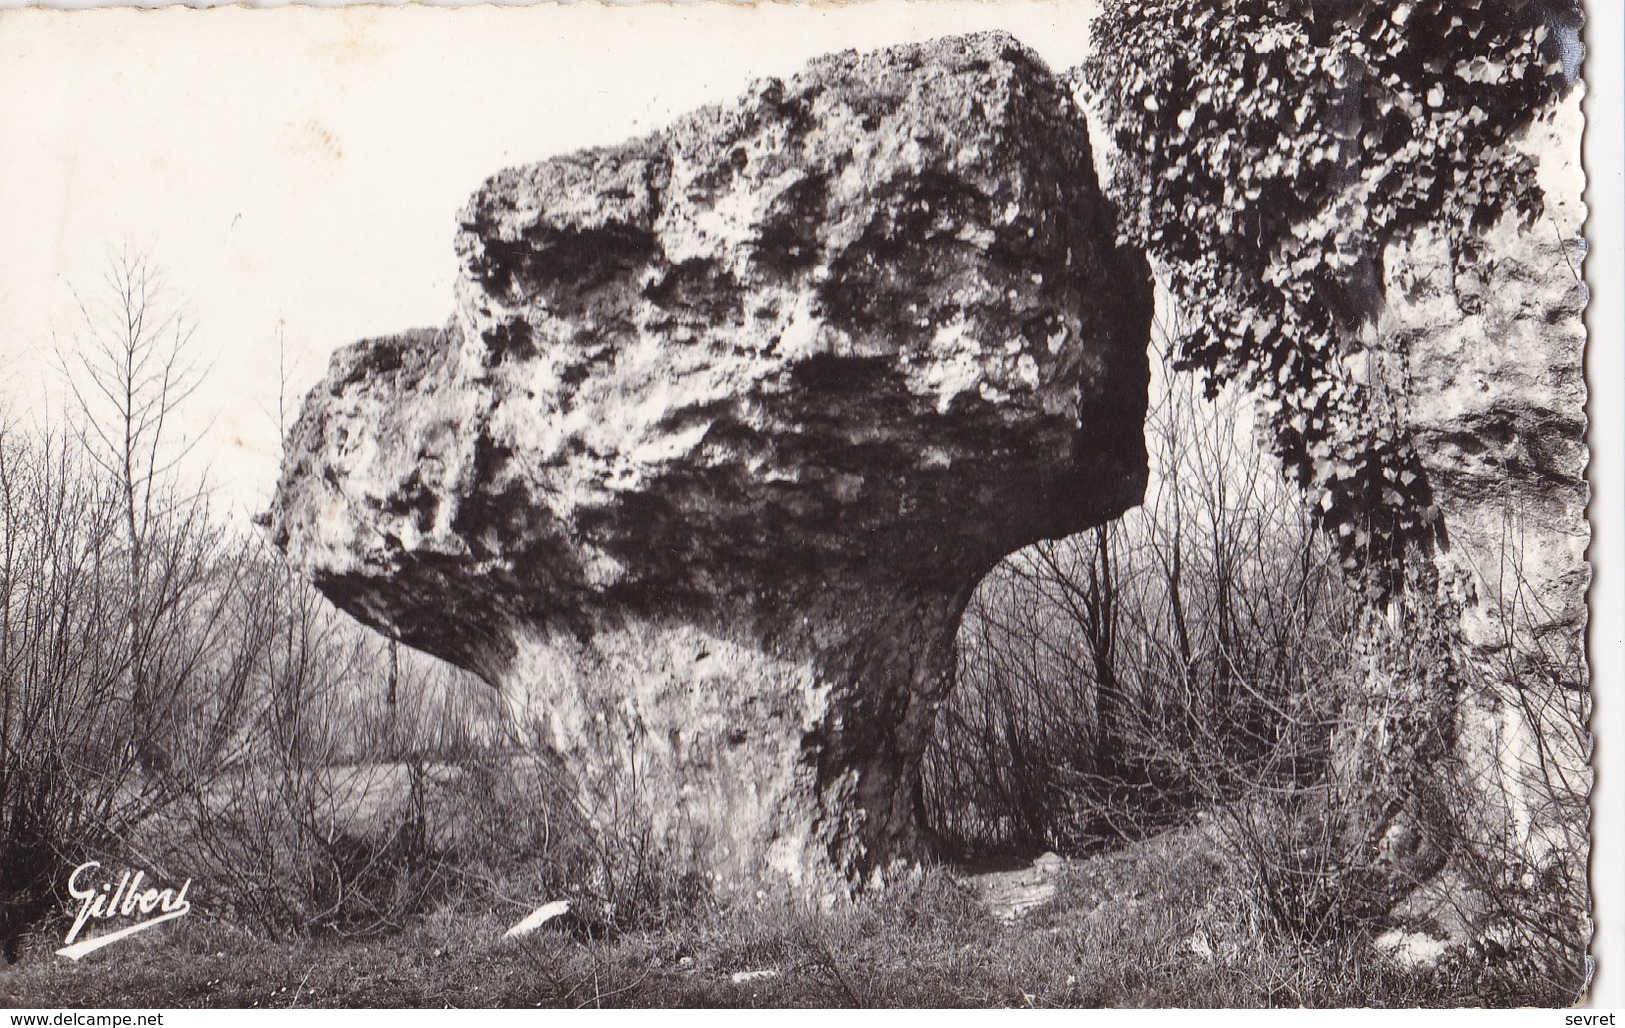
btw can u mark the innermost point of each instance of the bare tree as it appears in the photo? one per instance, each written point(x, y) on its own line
point(130, 365)
point(123, 666)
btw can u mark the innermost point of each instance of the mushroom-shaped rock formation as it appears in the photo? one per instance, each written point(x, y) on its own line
point(729, 423)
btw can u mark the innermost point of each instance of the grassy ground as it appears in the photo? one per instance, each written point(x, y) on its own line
point(1154, 924)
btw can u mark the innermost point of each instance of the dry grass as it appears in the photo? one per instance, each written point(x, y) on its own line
point(1159, 923)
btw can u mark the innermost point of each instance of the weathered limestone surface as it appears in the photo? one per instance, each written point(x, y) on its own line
point(1495, 393)
point(729, 422)
point(1489, 372)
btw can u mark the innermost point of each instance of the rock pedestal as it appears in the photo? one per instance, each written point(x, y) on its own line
point(729, 422)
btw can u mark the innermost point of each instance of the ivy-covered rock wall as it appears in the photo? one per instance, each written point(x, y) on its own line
point(1267, 154)
point(1369, 211)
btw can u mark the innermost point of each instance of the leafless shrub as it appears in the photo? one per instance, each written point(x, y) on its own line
point(1112, 681)
point(1205, 654)
point(331, 812)
point(110, 701)
point(171, 693)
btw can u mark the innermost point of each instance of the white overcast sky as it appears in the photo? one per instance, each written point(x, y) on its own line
point(305, 167)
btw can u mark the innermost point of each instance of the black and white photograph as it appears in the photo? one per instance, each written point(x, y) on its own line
point(1039, 504)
